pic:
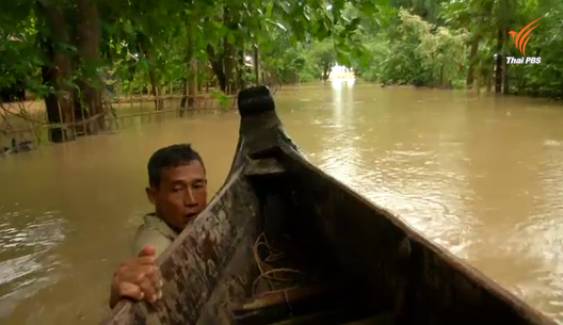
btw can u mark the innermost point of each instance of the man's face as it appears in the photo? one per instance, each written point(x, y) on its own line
point(182, 194)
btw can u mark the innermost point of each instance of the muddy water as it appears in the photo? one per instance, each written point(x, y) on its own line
point(482, 176)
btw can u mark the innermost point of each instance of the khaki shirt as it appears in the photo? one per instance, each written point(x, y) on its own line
point(153, 232)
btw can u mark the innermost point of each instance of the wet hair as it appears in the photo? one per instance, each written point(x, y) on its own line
point(171, 156)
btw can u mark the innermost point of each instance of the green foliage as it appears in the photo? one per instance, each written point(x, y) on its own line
point(19, 56)
point(413, 51)
point(322, 56)
point(285, 64)
point(444, 43)
point(223, 99)
point(420, 42)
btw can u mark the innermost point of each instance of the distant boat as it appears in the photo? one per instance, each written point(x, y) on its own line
point(284, 243)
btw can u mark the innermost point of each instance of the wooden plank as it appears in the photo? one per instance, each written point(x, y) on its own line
point(264, 167)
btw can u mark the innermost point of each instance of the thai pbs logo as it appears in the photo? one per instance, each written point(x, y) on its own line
point(521, 40)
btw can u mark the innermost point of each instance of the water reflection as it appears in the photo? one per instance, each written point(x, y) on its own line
point(26, 242)
point(545, 224)
point(413, 175)
point(339, 84)
point(341, 156)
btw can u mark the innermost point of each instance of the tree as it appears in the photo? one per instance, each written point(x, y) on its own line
point(56, 70)
point(324, 57)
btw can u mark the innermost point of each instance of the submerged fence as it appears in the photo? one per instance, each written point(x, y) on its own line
point(118, 113)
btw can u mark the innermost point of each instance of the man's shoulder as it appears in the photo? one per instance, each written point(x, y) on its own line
point(154, 232)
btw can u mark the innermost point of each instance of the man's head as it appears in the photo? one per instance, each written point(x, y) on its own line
point(178, 186)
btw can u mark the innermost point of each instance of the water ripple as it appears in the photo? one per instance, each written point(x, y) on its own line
point(26, 260)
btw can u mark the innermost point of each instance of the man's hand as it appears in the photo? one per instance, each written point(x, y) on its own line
point(138, 279)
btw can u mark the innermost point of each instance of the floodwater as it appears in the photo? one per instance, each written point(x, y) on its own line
point(479, 175)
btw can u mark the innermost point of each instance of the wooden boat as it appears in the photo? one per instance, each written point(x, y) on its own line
point(284, 243)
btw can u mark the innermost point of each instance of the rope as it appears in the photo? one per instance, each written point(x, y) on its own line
point(267, 272)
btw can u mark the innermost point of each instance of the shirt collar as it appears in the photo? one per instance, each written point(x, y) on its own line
point(153, 221)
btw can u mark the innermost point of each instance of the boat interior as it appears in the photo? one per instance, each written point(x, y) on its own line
point(291, 274)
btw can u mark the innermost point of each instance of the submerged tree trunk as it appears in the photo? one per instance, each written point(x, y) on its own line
point(155, 91)
point(499, 70)
point(240, 70)
point(88, 44)
point(191, 81)
point(229, 63)
point(505, 77)
point(325, 72)
point(144, 45)
point(256, 65)
point(230, 51)
point(472, 62)
point(489, 76)
point(217, 67)
point(201, 75)
point(192, 84)
point(54, 115)
point(57, 73)
point(184, 102)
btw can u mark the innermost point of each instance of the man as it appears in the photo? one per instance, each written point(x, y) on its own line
point(178, 190)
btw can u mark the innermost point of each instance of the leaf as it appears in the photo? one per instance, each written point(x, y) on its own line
point(277, 24)
point(353, 25)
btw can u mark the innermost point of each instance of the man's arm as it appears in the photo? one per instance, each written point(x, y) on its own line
point(138, 278)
